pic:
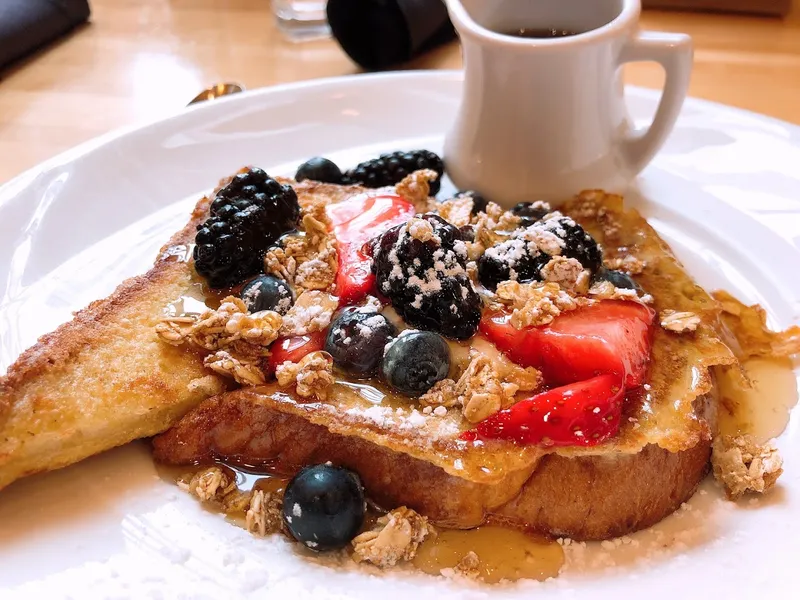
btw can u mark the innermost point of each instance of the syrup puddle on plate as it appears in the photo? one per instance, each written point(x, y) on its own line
point(504, 554)
point(762, 410)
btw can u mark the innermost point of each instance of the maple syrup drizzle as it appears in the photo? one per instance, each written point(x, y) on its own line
point(503, 553)
point(763, 410)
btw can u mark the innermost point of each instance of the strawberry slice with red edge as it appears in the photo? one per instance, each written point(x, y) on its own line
point(580, 414)
point(294, 348)
point(356, 221)
point(611, 336)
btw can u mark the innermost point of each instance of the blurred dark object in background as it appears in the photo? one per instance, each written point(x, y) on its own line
point(378, 34)
point(772, 8)
point(26, 25)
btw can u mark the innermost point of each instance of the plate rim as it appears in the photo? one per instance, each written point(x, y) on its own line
point(7, 189)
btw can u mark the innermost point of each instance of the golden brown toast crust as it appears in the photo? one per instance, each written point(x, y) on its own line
point(592, 497)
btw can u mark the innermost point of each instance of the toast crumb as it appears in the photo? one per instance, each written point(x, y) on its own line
point(567, 273)
point(208, 386)
point(243, 370)
point(743, 465)
point(312, 311)
point(627, 264)
point(679, 322)
point(313, 375)
point(264, 513)
point(396, 536)
point(416, 189)
point(310, 261)
point(534, 304)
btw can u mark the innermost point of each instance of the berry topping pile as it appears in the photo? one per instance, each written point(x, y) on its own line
point(421, 268)
point(248, 216)
point(323, 507)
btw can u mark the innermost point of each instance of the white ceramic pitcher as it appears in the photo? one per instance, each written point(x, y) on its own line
point(546, 118)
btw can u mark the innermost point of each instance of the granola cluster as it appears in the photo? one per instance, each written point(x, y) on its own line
point(416, 188)
point(395, 537)
point(605, 290)
point(263, 514)
point(679, 321)
point(743, 465)
point(238, 340)
point(308, 261)
point(313, 375)
point(483, 388)
point(216, 487)
point(535, 304)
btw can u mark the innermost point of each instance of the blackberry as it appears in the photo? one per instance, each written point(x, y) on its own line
point(247, 216)
point(427, 281)
point(517, 259)
point(531, 212)
point(577, 243)
point(319, 169)
point(390, 169)
point(479, 203)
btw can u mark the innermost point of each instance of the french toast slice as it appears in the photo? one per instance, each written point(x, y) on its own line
point(104, 379)
point(408, 458)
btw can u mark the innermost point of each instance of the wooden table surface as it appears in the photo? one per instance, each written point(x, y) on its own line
point(143, 59)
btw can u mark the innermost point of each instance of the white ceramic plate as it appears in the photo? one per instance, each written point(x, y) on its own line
point(725, 192)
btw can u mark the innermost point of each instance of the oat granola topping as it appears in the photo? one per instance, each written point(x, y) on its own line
point(484, 388)
point(309, 261)
point(567, 273)
point(215, 486)
point(421, 230)
point(244, 370)
point(679, 322)
point(492, 226)
point(457, 211)
point(628, 264)
point(312, 311)
point(605, 290)
point(264, 513)
point(313, 375)
point(396, 537)
point(230, 329)
point(468, 566)
point(742, 465)
point(416, 189)
point(535, 304)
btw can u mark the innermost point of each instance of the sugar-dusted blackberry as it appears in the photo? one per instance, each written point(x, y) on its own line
point(517, 259)
point(479, 203)
point(531, 212)
point(319, 169)
point(247, 216)
point(577, 243)
point(421, 267)
point(389, 169)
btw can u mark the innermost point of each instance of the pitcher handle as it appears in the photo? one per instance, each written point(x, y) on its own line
point(673, 51)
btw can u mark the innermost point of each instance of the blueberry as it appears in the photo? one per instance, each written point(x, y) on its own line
point(415, 361)
point(356, 340)
point(319, 169)
point(479, 203)
point(324, 507)
point(268, 293)
point(618, 279)
point(530, 212)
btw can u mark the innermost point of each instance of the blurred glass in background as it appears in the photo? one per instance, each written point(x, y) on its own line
point(301, 20)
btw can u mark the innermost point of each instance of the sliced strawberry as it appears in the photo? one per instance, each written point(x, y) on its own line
point(607, 337)
point(580, 414)
point(294, 348)
point(356, 221)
